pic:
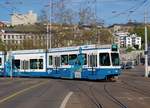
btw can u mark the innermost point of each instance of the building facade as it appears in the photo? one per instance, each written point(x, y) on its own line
point(125, 40)
point(14, 39)
point(23, 19)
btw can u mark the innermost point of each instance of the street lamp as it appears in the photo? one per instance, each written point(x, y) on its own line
point(146, 48)
point(48, 28)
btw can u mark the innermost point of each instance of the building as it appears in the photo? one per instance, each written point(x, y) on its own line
point(124, 27)
point(2, 25)
point(23, 19)
point(119, 38)
point(125, 40)
point(15, 38)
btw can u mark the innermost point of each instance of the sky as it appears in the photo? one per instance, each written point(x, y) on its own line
point(111, 11)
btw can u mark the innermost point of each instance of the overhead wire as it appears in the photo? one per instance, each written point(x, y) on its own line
point(131, 9)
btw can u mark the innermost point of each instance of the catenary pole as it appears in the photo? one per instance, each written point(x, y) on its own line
point(146, 46)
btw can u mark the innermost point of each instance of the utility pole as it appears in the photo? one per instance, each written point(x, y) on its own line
point(146, 47)
point(47, 36)
point(51, 9)
point(49, 24)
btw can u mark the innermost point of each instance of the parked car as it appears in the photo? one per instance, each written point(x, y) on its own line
point(129, 65)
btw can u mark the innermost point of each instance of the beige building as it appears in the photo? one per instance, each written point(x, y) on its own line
point(23, 19)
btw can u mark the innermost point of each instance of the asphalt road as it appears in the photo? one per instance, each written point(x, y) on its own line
point(131, 90)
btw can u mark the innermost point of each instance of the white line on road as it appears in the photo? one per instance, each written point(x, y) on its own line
point(63, 104)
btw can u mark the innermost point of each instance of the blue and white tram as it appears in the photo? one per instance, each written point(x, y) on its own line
point(82, 62)
point(28, 63)
point(2, 60)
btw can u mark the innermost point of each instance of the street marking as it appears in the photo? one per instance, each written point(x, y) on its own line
point(21, 91)
point(63, 104)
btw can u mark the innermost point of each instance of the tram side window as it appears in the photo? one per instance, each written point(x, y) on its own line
point(115, 59)
point(33, 64)
point(0, 61)
point(40, 63)
point(72, 59)
point(64, 59)
point(17, 64)
point(84, 57)
point(92, 61)
point(104, 59)
point(25, 65)
point(36, 63)
point(50, 60)
point(57, 61)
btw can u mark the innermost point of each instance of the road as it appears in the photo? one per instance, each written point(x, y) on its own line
point(131, 90)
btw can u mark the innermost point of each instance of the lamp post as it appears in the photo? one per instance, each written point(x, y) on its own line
point(146, 48)
point(48, 28)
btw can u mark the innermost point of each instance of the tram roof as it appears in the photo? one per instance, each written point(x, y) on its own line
point(83, 47)
point(72, 48)
point(28, 51)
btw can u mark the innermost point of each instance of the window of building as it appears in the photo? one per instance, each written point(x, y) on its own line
point(4, 36)
point(104, 59)
point(8, 36)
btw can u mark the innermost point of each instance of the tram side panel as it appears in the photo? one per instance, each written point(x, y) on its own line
point(59, 66)
point(98, 64)
point(102, 64)
point(2, 62)
point(29, 64)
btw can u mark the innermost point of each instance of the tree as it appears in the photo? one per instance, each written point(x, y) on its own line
point(2, 46)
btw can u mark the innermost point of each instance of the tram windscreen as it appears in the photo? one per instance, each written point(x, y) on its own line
point(104, 59)
point(115, 59)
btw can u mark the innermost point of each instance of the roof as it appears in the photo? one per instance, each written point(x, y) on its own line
point(83, 47)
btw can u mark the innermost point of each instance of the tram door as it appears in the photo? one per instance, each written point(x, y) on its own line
point(92, 62)
point(56, 64)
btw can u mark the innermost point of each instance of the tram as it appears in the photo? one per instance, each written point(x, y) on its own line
point(80, 62)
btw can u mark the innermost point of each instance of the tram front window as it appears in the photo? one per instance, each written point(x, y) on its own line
point(115, 59)
point(104, 59)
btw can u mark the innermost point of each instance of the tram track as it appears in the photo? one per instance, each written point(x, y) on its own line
point(115, 100)
point(93, 89)
point(134, 89)
point(87, 91)
point(91, 97)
